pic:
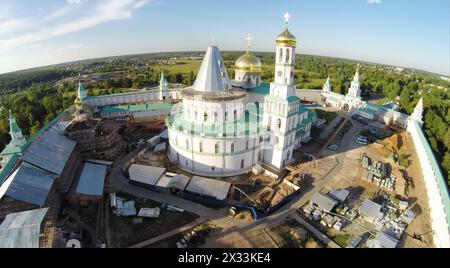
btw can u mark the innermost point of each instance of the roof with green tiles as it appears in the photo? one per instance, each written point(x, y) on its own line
point(245, 125)
point(372, 105)
point(263, 88)
point(368, 111)
point(153, 90)
point(11, 148)
point(14, 127)
point(137, 108)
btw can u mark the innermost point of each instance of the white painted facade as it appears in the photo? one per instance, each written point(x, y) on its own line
point(438, 196)
point(218, 131)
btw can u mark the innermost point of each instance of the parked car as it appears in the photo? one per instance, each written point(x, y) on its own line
point(361, 140)
point(333, 147)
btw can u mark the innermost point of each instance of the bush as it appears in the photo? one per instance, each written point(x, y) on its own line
point(404, 161)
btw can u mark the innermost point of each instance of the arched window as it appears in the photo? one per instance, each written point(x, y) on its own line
point(187, 144)
point(205, 117)
point(235, 115)
point(216, 148)
point(279, 123)
point(215, 116)
point(288, 52)
point(232, 147)
point(242, 163)
point(200, 147)
point(281, 55)
point(246, 145)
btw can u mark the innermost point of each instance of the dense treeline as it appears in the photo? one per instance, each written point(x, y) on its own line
point(43, 99)
point(13, 82)
point(32, 108)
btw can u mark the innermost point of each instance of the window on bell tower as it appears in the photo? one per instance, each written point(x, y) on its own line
point(281, 55)
point(287, 55)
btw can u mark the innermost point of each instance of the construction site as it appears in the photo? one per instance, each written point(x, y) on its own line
point(385, 202)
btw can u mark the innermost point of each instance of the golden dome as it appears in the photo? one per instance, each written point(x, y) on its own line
point(248, 62)
point(286, 38)
point(78, 102)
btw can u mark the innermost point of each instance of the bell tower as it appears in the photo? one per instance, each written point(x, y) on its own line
point(281, 106)
point(283, 85)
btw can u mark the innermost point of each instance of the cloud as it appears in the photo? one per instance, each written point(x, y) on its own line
point(62, 23)
point(374, 1)
point(74, 2)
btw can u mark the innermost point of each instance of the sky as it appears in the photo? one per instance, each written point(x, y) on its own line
point(408, 33)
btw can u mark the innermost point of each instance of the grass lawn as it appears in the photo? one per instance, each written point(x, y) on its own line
point(342, 240)
point(180, 66)
point(126, 233)
point(303, 238)
point(329, 116)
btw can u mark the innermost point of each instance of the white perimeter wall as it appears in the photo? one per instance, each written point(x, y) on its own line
point(438, 216)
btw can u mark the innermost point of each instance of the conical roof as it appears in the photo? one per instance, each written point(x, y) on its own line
point(81, 91)
point(213, 75)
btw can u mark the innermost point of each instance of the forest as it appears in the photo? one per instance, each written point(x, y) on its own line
point(36, 96)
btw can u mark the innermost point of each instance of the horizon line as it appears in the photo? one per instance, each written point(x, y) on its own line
point(182, 51)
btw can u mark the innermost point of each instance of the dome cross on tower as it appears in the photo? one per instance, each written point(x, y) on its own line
point(249, 39)
point(286, 18)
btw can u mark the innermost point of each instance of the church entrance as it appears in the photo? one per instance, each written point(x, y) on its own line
point(346, 107)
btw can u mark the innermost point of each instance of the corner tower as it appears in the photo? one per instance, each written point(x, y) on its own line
point(355, 88)
point(163, 87)
point(15, 131)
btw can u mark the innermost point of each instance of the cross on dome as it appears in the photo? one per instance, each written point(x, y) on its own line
point(287, 17)
point(249, 41)
point(213, 41)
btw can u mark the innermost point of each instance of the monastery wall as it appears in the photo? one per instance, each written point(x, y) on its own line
point(437, 191)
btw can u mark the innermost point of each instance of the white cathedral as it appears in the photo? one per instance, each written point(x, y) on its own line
point(224, 128)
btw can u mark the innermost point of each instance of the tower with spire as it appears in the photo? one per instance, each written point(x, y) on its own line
point(281, 112)
point(327, 86)
point(15, 131)
point(15, 146)
point(163, 87)
point(355, 88)
point(283, 85)
point(81, 93)
point(418, 112)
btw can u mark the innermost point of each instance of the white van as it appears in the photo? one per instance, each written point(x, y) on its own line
point(361, 140)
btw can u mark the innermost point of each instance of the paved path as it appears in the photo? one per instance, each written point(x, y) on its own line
point(218, 217)
point(330, 128)
point(322, 237)
point(290, 208)
point(118, 181)
point(169, 234)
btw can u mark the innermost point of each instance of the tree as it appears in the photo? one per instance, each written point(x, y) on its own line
point(446, 140)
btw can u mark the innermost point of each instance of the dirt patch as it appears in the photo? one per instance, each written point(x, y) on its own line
point(130, 230)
